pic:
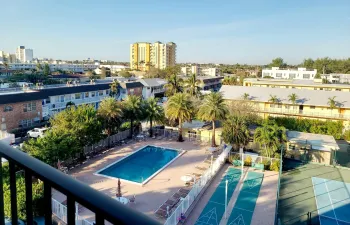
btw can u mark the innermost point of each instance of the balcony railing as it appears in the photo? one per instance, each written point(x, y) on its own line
point(104, 207)
point(298, 112)
point(58, 105)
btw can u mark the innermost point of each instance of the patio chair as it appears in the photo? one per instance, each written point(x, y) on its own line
point(160, 213)
point(132, 199)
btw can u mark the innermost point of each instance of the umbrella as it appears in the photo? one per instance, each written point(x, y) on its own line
point(119, 191)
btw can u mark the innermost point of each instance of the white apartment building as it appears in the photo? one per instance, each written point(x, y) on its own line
point(199, 71)
point(299, 74)
point(77, 68)
point(24, 54)
point(115, 68)
point(336, 77)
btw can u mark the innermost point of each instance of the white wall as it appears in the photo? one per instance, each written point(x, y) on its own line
point(299, 74)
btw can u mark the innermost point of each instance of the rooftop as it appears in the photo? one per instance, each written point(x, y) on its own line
point(306, 83)
point(153, 82)
point(305, 97)
point(317, 141)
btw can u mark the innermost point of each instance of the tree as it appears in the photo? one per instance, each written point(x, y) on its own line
point(38, 67)
point(6, 66)
point(124, 74)
point(245, 96)
point(273, 99)
point(270, 138)
point(132, 110)
point(89, 73)
point(308, 63)
point(110, 112)
point(213, 108)
point(70, 104)
point(103, 74)
point(332, 102)
point(173, 86)
point(235, 131)
point(179, 108)
point(278, 62)
point(114, 86)
point(293, 98)
point(172, 70)
point(229, 80)
point(154, 113)
point(192, 85)
point(46, 70)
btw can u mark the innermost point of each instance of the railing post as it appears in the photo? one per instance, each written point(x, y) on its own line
point(2, 221)
point(47, 204)
point(29, 199)
point(13, 190)
point(70, 210)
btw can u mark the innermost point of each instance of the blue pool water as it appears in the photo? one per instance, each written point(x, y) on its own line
point(141, 165)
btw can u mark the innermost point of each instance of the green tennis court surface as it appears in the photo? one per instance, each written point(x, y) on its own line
point(243, 210)
point(297, 197)
point(215, 208)
point(332, 200)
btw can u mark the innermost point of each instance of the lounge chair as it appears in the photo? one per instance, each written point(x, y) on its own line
point(201, 168)
point(160, 213)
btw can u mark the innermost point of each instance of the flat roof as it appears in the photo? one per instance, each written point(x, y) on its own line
point(317, 141)
point(294, 82)
point(305, 97)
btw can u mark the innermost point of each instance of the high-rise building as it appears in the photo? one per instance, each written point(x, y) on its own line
point(143, 55)
point(24, 54)
point(7, 57)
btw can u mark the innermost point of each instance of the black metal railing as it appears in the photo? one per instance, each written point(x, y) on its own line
point(104, 207)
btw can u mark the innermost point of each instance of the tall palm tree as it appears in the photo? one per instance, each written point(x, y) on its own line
point(245, 96)
point(6, 66)
point(114, 89)
point(273, 99)
point(213, 108)
point(132, 110)
point(110, 111)
point(174, 85)
point(235, 131)
point(293, 98)
point(154, 113)
point(270, 138)
point(332, 102)
point(192, 85)
point(179, 108)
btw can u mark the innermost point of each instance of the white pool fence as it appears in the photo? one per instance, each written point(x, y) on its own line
point(186, 203)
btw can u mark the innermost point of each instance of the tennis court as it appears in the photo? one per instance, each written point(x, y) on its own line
point(243, 210)
point(332, 200)
point(297, 202)
point(215, 208)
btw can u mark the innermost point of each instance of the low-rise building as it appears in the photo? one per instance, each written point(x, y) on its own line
point(210, 83)
point(76, 68)
point(153, 87)
point(300, 73)
point(315, 84)
point(311, 104)
point(129, 88)
point(336, 78)
point(200, 71)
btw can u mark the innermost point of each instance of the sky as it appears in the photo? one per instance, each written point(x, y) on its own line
point(221, 31)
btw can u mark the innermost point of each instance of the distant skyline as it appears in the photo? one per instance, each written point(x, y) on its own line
point(226, 31)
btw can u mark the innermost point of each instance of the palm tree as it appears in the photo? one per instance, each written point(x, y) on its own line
point(213, 108)
point(293, 98)
point(154, 113)
point(70, 104)
point(132, 110)
point(245, 96)
point(38, 67)
point(273, 99)
point(192, 85)
point(110, 111)
point(6, 66)
point(235, 131)
point(114, 89)
point(270, 138)
point(332, 102)
point(173, 86)
point(179, 108)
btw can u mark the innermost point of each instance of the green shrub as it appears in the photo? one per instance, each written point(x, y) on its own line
point(248, 161)
point(233, 157)
point(346, 135)
point(266, 164)
point(275, 166)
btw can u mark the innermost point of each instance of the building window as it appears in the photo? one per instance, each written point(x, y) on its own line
point(26, 123)
point(86, 95)
point(312, 107)
point(92, 94)
point(337, 89)
point(28, 107)
point(287, 106)
point(306, 76)
point(107, 92)
point(292, 75)
point(62, 98)
point(100, 93)
point(77, 96)
point(278, 74)
point(8, 108)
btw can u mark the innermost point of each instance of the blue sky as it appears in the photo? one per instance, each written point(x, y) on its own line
point(223, 31)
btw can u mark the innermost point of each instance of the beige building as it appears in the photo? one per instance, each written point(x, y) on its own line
point(7, 57)
point(315, 84)
point(144, 55)
point(310, 104)
point(200, 71)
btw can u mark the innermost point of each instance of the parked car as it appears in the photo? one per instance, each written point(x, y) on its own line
point(37, 132)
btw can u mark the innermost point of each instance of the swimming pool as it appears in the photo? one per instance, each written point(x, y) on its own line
point(142, 165)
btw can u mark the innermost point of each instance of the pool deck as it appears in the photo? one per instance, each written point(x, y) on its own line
point(264, 213)
point(153, 194)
